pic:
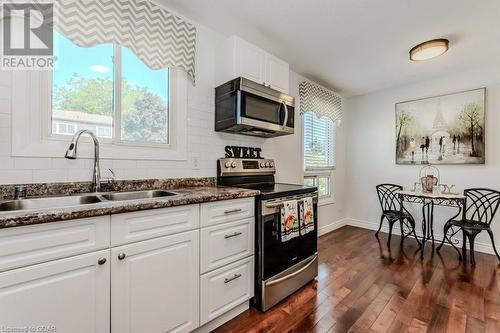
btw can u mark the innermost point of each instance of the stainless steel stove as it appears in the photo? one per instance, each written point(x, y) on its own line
point(281, 267)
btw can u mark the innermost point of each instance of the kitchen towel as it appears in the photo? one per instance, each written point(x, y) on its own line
point(289, 221)
point(307, 216)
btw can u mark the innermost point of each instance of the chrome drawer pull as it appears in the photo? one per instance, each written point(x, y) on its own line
point(232, 211)
point(227, 280)
point(232, 235)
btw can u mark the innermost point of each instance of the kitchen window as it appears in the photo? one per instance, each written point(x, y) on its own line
point(319, 153)
point(110, 91)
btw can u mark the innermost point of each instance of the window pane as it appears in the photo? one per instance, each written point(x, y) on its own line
point(323, 186)
point(309, 181)
point(144, 101)
point(82, 87)
point(319, 142)
point(322, 182)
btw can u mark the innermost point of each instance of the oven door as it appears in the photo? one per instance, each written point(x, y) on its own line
point(272, 114)
point(279, 256)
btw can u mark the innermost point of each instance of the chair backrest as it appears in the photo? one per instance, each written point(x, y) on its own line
point(389, 200)
point(481, 204)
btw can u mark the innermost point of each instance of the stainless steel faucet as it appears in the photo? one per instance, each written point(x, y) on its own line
point(71, 154)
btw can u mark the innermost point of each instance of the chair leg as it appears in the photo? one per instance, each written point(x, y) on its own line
point(445, 231)
point(412, 222)
point(493, 243)
point(464, 244)
point(391, 223)
point(380, 226)
point(472, 238)
point(402, 231)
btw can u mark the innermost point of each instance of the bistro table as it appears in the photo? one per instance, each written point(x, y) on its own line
point(428, 201)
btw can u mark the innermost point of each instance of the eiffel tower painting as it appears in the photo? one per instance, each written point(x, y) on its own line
point(447, 129)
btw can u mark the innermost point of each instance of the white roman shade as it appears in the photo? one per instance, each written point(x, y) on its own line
point(159, 38)
point(319, 100)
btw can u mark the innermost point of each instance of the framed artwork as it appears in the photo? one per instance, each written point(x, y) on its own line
point(447, 129)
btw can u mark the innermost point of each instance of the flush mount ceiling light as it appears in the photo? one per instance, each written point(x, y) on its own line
point(429, 49)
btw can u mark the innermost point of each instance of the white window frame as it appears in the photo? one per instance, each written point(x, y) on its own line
point(317, 172)
point(32, 116)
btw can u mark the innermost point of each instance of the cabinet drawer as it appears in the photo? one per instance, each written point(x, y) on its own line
point(226, 243)
point(133, 227)
point(217, 212)
point(27, 245)
point(225, 288)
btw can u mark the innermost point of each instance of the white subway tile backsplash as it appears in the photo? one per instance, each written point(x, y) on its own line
point(50, 176)
point(32, 163)
point(16, 176)
point(5, 106)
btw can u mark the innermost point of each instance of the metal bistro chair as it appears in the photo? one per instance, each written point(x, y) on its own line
point(481, 204)
point(394, 211)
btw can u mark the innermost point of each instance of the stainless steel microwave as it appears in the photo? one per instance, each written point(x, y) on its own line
point(246, 107)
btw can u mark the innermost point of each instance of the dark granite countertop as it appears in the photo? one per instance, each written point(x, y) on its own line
point(186, 196)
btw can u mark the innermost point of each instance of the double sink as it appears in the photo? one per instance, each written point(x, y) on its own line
point(78, 200)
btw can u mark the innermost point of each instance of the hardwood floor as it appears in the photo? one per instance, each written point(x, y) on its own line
point(363, 286)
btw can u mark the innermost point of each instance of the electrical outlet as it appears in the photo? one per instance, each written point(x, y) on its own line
point(196, 163)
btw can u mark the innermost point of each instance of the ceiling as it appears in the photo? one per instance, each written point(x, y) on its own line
point(359, 46)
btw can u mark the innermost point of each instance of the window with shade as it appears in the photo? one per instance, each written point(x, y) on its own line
point(107, 89)
point(319, 152)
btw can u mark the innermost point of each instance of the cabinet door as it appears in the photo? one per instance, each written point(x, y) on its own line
point(250, 61)
point(66, 295)
point(277, 74)
point(154, 286)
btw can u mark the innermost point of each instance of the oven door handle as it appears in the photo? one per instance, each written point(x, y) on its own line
point(289, 276)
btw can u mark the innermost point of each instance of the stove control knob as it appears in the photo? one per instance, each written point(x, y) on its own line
point(267, 164)
point(233, 165)
point(227, 165)
point(271, 165)
point(262, 165)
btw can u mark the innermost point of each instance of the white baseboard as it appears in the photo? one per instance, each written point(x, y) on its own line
point(479, 246)
point(330, 227)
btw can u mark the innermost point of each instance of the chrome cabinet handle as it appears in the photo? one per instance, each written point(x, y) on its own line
point(233, 235)
point(232, 211)
point(101, 261)
point(121, 256)
point(235, 276)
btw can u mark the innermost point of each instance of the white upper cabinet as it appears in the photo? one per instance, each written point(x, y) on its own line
point(237, 57)
point(249, 61)
point(277, 73)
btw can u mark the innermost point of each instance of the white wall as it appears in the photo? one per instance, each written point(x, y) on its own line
point(288, 153)
point(371, 145)
point(203, 141)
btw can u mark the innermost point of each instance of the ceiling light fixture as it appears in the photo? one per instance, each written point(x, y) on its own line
point(429, 49)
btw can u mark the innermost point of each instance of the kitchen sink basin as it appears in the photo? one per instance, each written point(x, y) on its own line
point(78, 200)
point(53, 202)
point(118, 196)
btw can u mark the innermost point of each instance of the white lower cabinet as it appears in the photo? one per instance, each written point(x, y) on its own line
point(155, 286)
point(150, 283)
point(70, 295)
point(225, 288)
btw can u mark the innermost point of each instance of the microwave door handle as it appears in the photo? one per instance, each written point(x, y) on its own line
point(286, 115)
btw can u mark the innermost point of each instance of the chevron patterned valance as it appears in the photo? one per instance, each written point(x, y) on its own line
point(319, 100)
point(159, 38)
